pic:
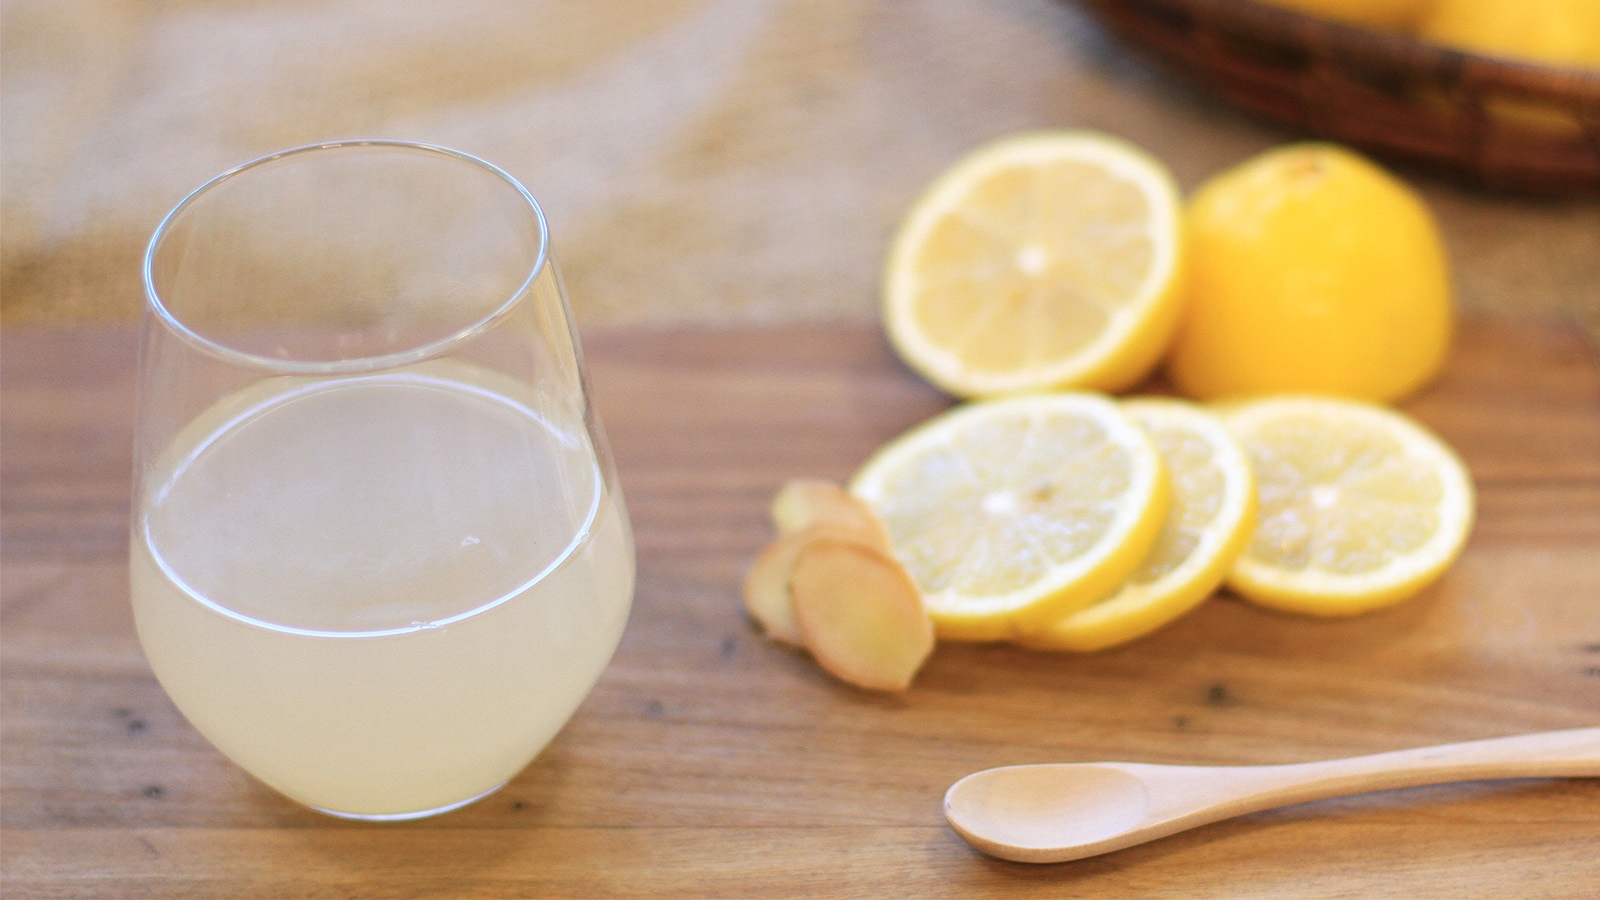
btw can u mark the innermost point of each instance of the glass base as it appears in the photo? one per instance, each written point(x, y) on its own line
point(406, 816)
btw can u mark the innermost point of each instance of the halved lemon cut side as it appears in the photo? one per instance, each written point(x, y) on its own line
point(1010, 513)
point(1046, 260)
point(1211, 518)
point(1361, 506)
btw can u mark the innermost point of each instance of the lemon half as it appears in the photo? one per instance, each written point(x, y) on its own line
point(1046, 260)
point(1312, 270)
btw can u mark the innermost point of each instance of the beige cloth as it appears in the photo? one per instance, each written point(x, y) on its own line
point(699, 160)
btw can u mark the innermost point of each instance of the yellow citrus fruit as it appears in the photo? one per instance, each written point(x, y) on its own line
point(1311, 270)
point(1010, 513)
point(1361, 506)
point(1046, 260)
point(1209, 521)
point(1564, 33)
point(1394, 14)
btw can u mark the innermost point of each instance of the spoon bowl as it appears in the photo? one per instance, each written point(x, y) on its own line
point(1065, 811)
point(1039, 808)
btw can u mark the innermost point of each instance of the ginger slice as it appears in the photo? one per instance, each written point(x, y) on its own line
point(804, 502)
point(766, 584)
point(859, 613)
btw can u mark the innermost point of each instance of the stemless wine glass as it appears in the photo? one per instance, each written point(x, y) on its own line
point(379, 554)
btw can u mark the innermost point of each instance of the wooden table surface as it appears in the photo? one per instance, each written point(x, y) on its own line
point(711, 763)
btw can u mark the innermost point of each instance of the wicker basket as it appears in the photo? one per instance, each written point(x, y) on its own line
point(1498, 124)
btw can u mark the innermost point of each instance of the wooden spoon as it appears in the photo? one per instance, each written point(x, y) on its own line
point(1054, 813)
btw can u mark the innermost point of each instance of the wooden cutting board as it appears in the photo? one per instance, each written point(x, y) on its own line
point(709, 762)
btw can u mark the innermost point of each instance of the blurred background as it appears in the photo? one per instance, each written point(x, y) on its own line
point(707, 161)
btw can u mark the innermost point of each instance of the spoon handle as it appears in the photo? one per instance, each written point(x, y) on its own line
point(1574, 753)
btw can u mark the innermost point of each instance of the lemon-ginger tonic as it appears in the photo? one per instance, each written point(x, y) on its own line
point(383, 594)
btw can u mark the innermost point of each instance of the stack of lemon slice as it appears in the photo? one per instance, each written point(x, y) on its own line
point(1074, 522)
point(1065, 521)
point(1210, 520)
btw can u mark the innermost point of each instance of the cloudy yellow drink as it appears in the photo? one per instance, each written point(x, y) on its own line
point(382, 595)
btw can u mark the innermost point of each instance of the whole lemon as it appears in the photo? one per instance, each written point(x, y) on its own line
point(1311, 270)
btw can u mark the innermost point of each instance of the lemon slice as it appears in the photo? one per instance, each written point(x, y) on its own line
point(1045, 260)
point(1361, 506)
point(1210, 519)
point(1011, 513)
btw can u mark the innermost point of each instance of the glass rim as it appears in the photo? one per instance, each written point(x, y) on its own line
point(155, 304)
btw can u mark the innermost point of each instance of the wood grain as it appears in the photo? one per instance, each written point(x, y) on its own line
point(709, 762)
